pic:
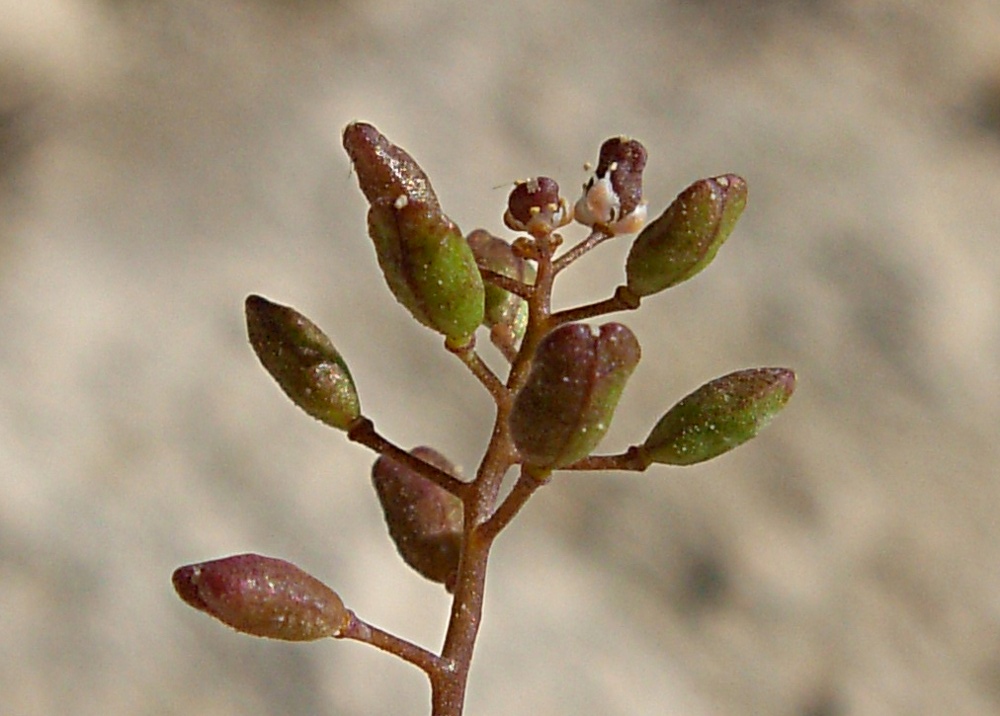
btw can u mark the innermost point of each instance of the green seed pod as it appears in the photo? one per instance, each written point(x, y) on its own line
point(303, 361)
point(424, 520)
point(429, 267)
point(570, 395)
point(263, 596)
point(719, 416)
point(426, 261)
point(504, 310)
point(686, 237)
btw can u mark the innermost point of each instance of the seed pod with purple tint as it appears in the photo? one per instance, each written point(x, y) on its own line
point(569, 398)
point(612, 199)
point(719, 416)
point(424, 520)
point(263, 596)
point(686, 237)
point(505, 311)
point(534, 206)
point(303, 361)
point(425, 259)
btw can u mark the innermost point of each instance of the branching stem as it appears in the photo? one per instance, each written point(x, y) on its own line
point(360, 630)
point(363, 432)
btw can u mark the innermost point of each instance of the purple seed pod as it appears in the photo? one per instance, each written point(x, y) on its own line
point(570, 395)
point(263, 596)
point(424, 520)
point(504, 310)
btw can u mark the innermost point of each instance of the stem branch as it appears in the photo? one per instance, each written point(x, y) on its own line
point(363, 432)
point(360, 630)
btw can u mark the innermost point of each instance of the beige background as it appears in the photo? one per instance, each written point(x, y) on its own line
point(160, 160)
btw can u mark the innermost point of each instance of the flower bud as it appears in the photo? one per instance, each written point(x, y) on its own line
point(612, 199)
point(686, 237)
point(303, 361)
point(504, 310)
point(720, 415)
point(424, 520)
point(570, 395)
point(425, 259)
point(263, 596)
point(535, 206)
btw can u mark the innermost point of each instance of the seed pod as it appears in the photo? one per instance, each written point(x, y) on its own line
point(570, 395)
point(424, 520)
point(425, 259)
point(504, 310)
point(685, 238)
point(303, 361)
point(263, 596)
point(612, 199)
point(719, 416)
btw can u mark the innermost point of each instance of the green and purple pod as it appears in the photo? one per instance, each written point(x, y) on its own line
point(685, 238)
point(424, 257)
point(569, 398)
point(303, 361)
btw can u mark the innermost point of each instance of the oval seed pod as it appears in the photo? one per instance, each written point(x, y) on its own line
point(429, 268)
point(719, 416)
point(263, 596)
point(504, 309)
point(424, 520)
point(685, 238)
point(426, 261)
point(303, 361)
point(570, 395)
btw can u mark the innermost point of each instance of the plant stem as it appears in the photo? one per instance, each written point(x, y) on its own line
point(483, 521)
point(360, 630)
point(363, 431)
point(623, 300)
point(596, 237)
point(633, 460)
point(518, 288)
point(468, 355)
point(449, 682)
point(524, 488)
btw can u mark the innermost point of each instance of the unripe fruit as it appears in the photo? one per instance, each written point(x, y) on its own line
point(424, 520)
point(570, 395)
point(425, 259)
point(263, 596)
point(504, 310)
point(303, 361)
point(719, 416)
point(685, 238)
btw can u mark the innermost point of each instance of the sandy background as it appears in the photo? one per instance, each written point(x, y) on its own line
point(160, 160)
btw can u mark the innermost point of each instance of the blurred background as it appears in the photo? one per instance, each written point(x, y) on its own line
point(159, 160)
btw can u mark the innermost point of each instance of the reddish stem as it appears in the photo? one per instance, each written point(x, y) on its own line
point(623, 300)
point(360, 630)
point(363, 432)
point(596, 237)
